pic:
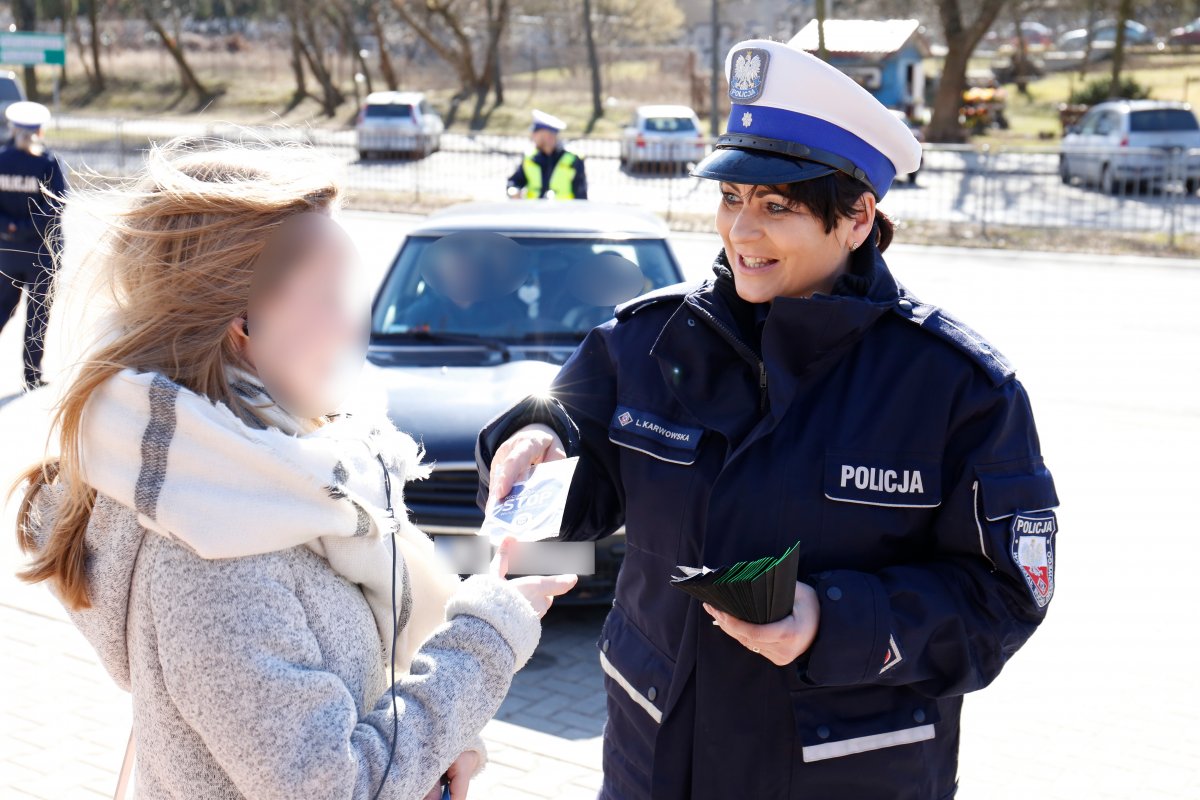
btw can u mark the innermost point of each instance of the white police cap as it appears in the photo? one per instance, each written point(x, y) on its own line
point(25, 114)
point(547, 121)
point(794, 117)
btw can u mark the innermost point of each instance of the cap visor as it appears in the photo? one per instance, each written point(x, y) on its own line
point(757, 168)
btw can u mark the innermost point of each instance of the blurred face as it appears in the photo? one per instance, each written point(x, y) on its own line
point(779, 249)
point(544, 139)
point(308, 316)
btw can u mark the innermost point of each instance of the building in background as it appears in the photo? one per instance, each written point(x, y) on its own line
point(883, 56)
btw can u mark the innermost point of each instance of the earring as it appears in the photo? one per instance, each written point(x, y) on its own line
point(853, 245)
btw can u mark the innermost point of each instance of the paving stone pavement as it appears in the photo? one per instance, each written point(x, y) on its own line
point(1101, 704)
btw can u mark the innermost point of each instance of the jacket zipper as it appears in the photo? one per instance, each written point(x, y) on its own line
point(744, 351)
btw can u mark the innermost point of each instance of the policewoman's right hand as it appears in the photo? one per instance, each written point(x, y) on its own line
point(520, 452)
point(539, 590)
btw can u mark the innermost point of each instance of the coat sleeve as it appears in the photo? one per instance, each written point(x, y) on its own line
point(579, 185)
point(517, 179)
point(580, 405)
point(246, 672)
point(946, 625)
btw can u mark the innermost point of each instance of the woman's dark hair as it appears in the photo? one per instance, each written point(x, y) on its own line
point(833, 197)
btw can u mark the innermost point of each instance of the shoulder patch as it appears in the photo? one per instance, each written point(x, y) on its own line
point(945, 326)
point(673, 293)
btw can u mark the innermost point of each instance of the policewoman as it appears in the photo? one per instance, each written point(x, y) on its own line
point(800, 394)
point(32, 183)
point(548, 169)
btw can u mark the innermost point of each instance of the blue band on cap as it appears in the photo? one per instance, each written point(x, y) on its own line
point(792, 126)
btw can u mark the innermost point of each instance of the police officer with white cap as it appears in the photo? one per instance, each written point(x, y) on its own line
point(800, 394)
point(548, 169)
point(32, 184)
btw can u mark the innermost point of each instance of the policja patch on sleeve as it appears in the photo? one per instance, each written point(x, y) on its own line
point(1033, 552)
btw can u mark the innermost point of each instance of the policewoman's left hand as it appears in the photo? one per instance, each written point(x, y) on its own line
point(780, 642)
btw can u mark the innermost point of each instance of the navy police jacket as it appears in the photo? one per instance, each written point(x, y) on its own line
point(883, 434)
point(24, 180)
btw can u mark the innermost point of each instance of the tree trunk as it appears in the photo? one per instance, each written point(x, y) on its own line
point(1124, 12)
point(25, 16)
point(385, 59)
point(342, 18)
point(97, 76)
point(1021, 57)
point(947, 103)
point(593, 65)
point(820, 12)
point(961, 40)
point(187, 76)
point(310, 48)
point(1093, 9)
point(297, 63)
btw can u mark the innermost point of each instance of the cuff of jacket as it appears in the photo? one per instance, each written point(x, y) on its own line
point(500, 605)
point(852, 635)
point(533, 410)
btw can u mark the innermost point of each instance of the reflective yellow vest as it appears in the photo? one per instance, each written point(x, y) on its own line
point(562, 179)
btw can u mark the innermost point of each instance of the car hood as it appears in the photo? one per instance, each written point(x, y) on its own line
point(445, 407)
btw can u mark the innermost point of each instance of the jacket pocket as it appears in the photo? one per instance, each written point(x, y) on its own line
point(1003, 493)
point(844, 722)
point(640, 673)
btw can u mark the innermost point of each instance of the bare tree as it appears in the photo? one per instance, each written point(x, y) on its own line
point(341, 15)
point(593, 65)
point(375, 14)
point(188, 77)
point(25, 16)
point(1124, 14)
point(308, 39)
point(962, 36)
point(446, 27)
point(96, 76)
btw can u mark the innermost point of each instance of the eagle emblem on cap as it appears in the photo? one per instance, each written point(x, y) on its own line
point(749, 74)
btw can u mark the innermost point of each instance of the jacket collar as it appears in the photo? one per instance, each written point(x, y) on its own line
point(799, 336)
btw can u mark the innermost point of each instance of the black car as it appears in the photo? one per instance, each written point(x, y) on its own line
point(481, 307)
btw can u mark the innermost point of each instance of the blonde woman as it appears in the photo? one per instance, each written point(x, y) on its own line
point(237, 552)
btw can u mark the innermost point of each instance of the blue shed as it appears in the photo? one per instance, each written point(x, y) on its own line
point(884, 56)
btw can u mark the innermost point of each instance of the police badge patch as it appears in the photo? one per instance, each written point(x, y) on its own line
point(1033, 552)
point(748, 75)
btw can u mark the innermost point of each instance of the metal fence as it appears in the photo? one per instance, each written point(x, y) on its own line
point(980, 187)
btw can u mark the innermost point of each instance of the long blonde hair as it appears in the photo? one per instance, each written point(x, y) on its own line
point(175, 262)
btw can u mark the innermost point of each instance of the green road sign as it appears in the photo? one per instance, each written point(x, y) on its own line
point(33, 48)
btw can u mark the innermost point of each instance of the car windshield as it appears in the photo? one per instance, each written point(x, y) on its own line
point(390, 111)
point(1163, 119)
point(9, 90)
point(519, 288)
point(670, 124)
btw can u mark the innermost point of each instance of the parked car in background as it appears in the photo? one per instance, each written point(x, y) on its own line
point(1122, 145)
point(481, 307)
point(1105, 32)
point(662, 135)
point(398, 123)
point(1188, 34)
point(10, 91)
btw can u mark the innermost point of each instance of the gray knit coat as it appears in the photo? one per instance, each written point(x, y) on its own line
point(264, 676)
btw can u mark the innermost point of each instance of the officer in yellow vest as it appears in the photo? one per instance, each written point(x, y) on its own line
point(548, 170)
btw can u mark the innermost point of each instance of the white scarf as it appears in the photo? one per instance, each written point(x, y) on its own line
point(195, 472)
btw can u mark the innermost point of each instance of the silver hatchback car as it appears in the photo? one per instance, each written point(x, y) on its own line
point(398, 122)
point(1123, 145)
